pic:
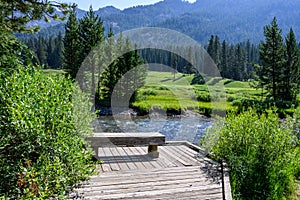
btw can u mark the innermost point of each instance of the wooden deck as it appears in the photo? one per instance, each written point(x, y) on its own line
point(179, 173)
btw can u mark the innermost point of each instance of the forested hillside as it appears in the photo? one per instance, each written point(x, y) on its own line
point(229, 19)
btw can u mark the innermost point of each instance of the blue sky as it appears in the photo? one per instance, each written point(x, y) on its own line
point(121, 4)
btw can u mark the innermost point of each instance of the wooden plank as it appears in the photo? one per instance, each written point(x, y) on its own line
point(105, 166)
point(181, 152)
point(142, 158)
point(165, 159)
point(136, 181)
point(170, 160)
point(160, 161)
point(121, 160)
point(153, 192)
point(148, 172)
point(141, 177)
point(110, 139)
point(113, 165)
point(170, 153)
point(129, 162)
point(150, 182)
point(135, 158)
point(193, 155)
point(212, 194)
point(153, 163)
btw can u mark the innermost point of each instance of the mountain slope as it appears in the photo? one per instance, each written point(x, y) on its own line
point(234, 21)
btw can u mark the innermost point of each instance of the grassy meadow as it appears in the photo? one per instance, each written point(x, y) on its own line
point(173, 92)
point(166, 91)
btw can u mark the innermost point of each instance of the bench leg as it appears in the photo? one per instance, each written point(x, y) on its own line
point(96, 150)
point(153, 151)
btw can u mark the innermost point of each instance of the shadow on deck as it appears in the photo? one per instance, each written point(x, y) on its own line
point(179, 172)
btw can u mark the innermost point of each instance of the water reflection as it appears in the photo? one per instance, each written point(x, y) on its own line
point(174, 128)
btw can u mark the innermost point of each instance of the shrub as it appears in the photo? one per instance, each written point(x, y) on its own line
point(198, 79)
point(260, 151)
point(203, 96)
point(261, 106)
point(228, 81)
point(162, 88)
point(42, 147)
point(297, 121)
point(149, 92)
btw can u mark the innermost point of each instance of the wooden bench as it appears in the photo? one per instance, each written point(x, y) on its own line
point(128, 139)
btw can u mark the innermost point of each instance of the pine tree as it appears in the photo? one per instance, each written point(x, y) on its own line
point(58, 52)
point(211, 47)
point(217, 51)
point(231, 61)
point(291, 70)
point(224, 60)
point(91, 35)
point(50, 51)
point(71, 45)
point(128, 60)
point(240, 62)
point(272, 56)
point(108, 78)
point(42, 51)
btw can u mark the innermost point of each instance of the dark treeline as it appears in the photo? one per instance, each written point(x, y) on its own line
point(164, 58)
point(235, 61)
point(48, 51)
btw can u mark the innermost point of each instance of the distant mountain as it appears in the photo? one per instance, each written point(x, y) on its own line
point(150, 15)
point(235, 21)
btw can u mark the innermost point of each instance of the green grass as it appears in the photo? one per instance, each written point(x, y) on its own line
point(165, 91)
point(53, 71)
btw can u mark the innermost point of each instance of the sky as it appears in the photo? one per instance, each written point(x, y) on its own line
point(121, 4)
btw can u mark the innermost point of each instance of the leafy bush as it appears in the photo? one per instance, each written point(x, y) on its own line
point(13, 53)
point(42, 147)
point(232, 98)
point(198, 79)
point(228, 81)
point(203, 96)
point(214, 81)
point(297, 121)
point(149, 92)
point(260, 151)
point(261, 106)
point(162, 88)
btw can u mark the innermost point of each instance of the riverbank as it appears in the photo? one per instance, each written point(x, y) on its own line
point(136, 111)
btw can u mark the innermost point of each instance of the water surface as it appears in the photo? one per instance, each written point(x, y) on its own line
point(174, 128)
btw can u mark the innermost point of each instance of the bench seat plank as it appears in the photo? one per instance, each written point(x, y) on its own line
point(128, 139)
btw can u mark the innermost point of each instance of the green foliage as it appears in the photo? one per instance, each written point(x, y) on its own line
point(203, 96)
point(125, 68)
point(260, 151)
point(15, 15)
point(91, 33)
point(198, 79)
point(71, 45)
point(43, 121)
point(291, 86)
point(233, 61)
point(13, 53)
point(149, 92)
point(297, 122)
point(279, 71)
